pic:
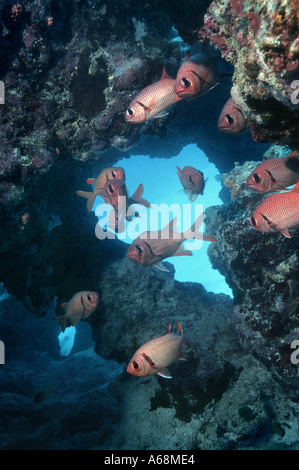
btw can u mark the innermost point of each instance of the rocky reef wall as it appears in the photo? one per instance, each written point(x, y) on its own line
point(70, 69)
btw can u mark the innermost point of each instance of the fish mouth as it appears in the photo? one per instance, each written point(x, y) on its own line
point(253, 186)
point(183, 93)
point(226, 130)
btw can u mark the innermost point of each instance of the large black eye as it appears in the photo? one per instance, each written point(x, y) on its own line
point(135, 365)
point(253, 221)
point(185, 82)
point(229, 119)
point(139, 249)
point(110, 189)
point(89, 298)
point(113, 174)
point(130, 111)
point(256, 177)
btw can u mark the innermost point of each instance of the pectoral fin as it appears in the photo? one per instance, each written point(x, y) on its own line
point(161, 267)
point(161, 114)
point(165, 373)
point(285, 232)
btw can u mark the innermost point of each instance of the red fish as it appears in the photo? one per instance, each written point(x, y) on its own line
point(197, 75)
point(275, 174)
point(80, 306)
point(192, 181)
point(278, 213)
point(156, 355)
point(153, 100)
point(116, 189)
point(232, 120)
point(150, 248)
point(98, 184)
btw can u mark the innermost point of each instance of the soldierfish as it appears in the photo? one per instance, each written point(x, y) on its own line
point(275, 174)
point(278, 213)
point(150, 248)
point(113, 191)
point(80, 306)
point(156, 355)
point(232, 120)
point(98, 184)
point(153, 100)
point(192, 181)
point(197, 75)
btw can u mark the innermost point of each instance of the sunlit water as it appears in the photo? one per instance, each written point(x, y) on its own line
point(162, 186)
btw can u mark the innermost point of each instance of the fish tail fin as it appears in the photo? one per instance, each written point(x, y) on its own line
point(61, 320)
point(90, 196)
point(137, 197)
point(180, 330)
point(194, 232)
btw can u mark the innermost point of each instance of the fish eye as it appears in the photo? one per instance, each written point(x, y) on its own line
point(229, 118)
point(185, 82)
point(130, 111)
point(256, 177)
point(136, 365)
point(253, 221)
point(110, 189)
point(139, 249)
point(113, 173)
point(190, 179)
point(89, 297)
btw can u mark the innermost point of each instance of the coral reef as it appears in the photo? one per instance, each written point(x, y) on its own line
point(261, 40)
point(261, 269)
point(70, 69)
point(222, 397)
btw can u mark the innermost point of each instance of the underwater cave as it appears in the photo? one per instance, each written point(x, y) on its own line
point(70, 75)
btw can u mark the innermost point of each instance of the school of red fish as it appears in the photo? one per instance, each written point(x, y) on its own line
point(277, 213)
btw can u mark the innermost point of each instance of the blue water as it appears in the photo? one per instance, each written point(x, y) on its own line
point(162, 186)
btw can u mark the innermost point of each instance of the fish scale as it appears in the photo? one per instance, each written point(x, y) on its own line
point(163, 350)
point(161, 94)
point(282, 209)
point(279, 212)
point(275, 174)
point(155, 355)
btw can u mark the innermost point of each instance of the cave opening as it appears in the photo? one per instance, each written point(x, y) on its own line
point(162, 186)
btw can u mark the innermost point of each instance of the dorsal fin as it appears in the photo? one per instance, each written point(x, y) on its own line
point(165, 74)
